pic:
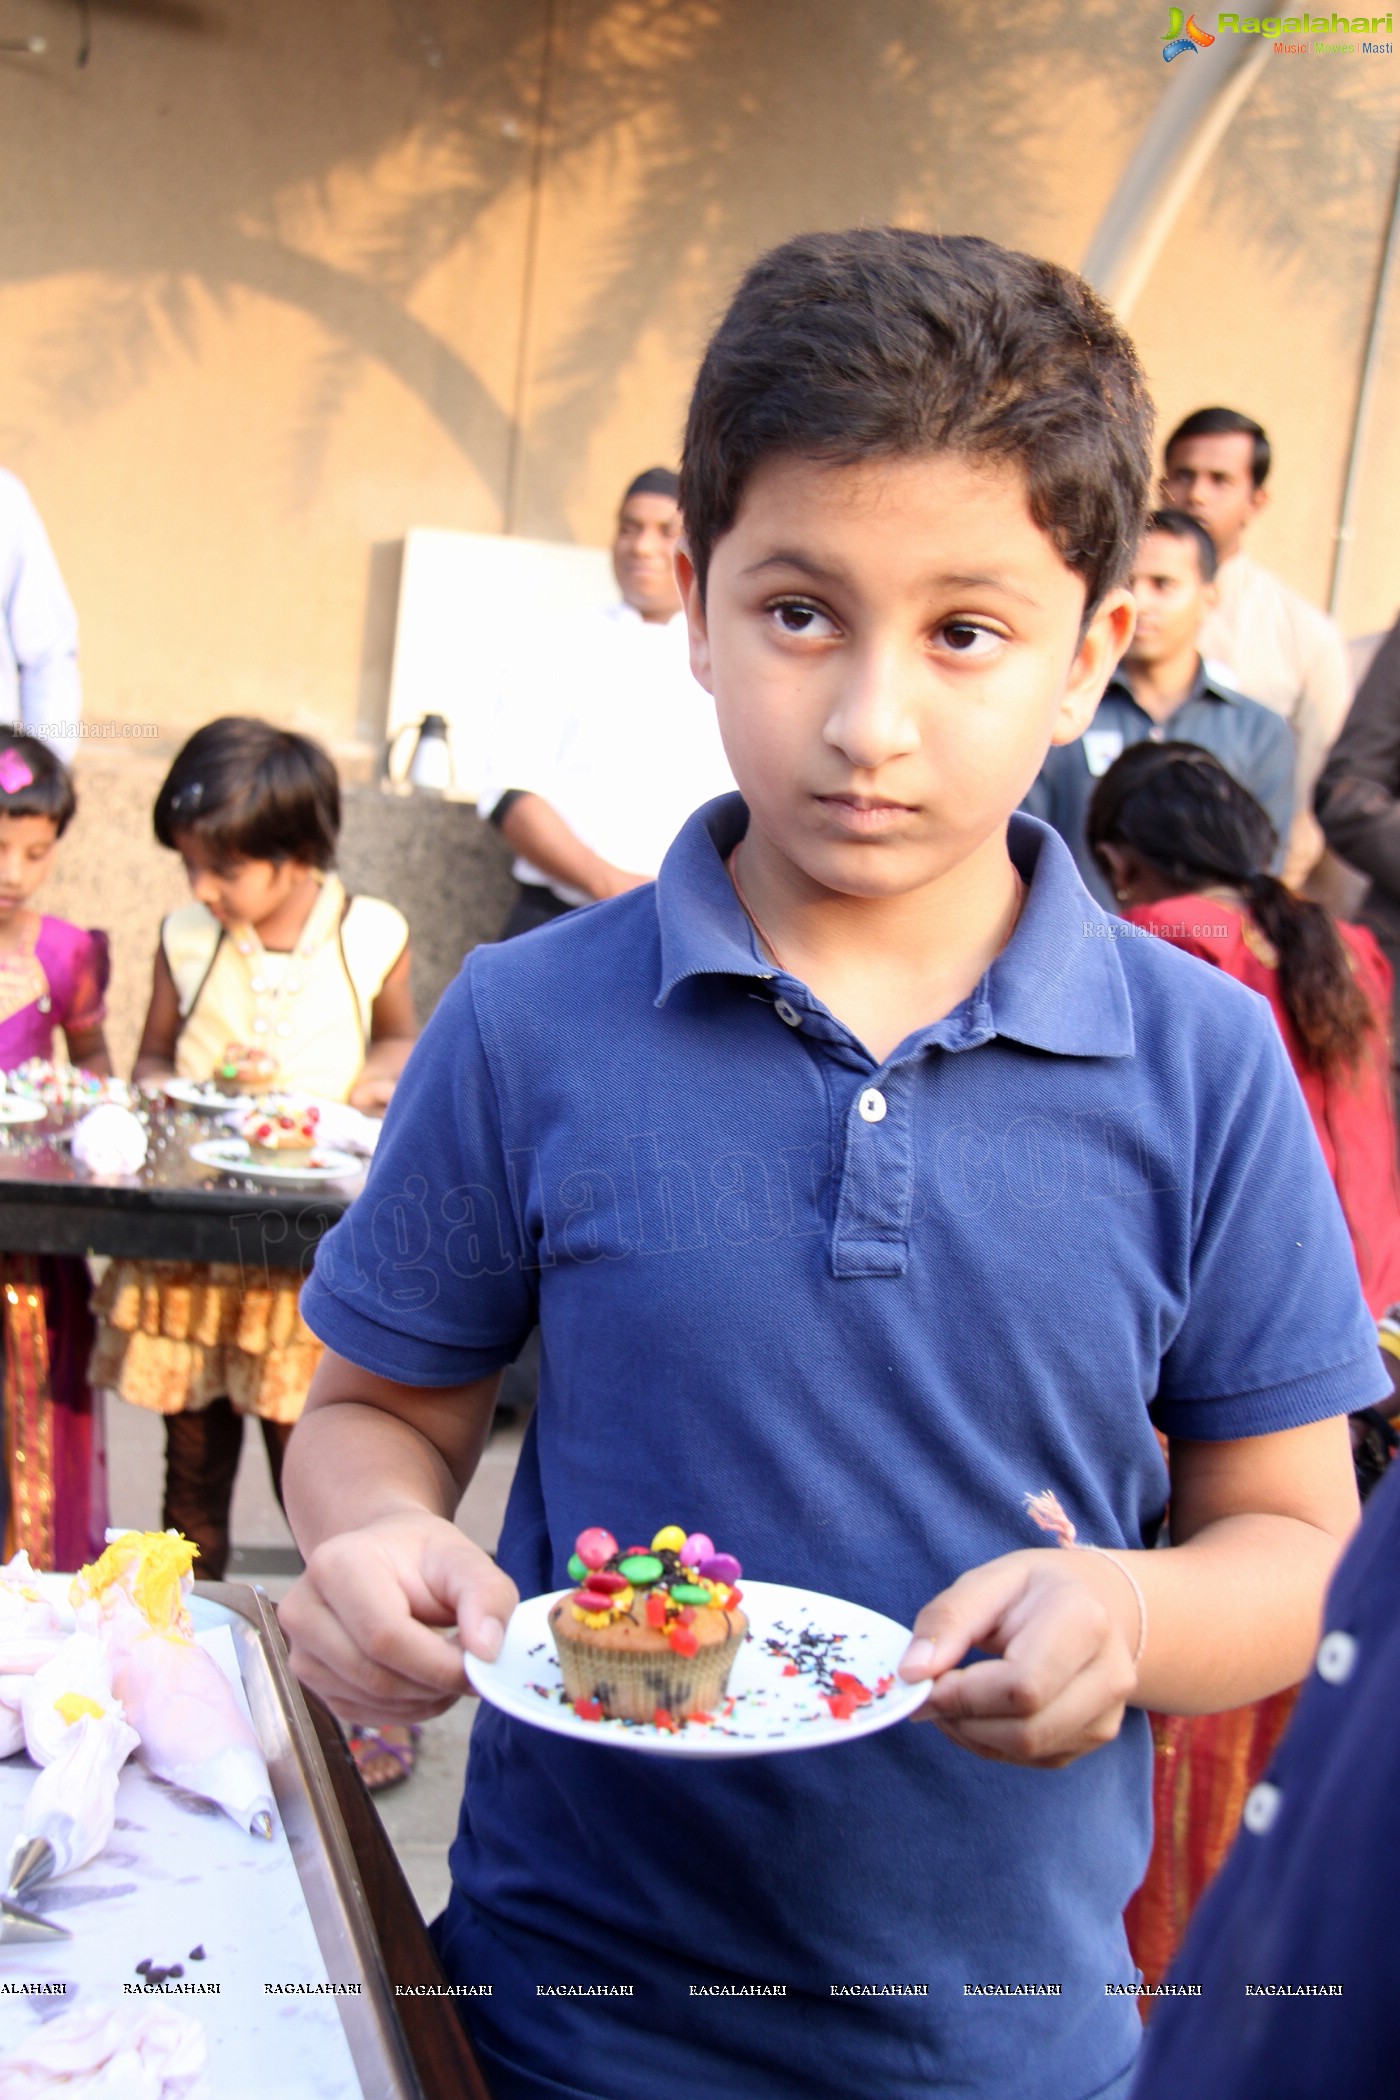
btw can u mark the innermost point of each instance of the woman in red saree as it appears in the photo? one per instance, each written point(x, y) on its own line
point(1187, 851)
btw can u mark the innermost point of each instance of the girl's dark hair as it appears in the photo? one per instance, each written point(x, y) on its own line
point(882, 343)
point(1186, 816)
point(49, 790)
point(248, 791)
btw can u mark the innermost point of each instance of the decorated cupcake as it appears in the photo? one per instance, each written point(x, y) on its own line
point(245, 1069)
point(651, 1632)
point(280, 1136)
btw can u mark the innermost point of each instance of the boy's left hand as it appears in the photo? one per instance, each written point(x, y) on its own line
point(1062, 1628)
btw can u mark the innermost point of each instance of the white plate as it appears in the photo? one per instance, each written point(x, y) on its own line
point(199, 1095)
point(230, 1156)
point(770, 1711)
point(18, 1108)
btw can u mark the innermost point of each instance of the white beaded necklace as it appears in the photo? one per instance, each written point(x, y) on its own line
point(272, 1000)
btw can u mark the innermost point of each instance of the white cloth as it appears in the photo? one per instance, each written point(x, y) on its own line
point(1268, 642)
point(606, 724)
point(38, 626)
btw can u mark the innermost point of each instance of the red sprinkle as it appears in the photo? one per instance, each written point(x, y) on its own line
point(791, 1670)
point(683, 1641)
point(842, 1705)
point(729, 1706)
point(851, 1687)
point(687, 1615)
point(589, 1709)
point(665, 1720)
point(656, 1610)
point(884, 1684)
point(702, 1720)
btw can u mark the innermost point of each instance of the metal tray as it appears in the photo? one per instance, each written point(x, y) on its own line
point(320, 1847)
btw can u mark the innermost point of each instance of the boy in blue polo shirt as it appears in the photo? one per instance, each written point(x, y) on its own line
point(862, 1182)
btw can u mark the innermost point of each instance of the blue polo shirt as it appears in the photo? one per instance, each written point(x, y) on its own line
point(842, 1314)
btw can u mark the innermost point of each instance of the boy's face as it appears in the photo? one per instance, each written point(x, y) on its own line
point(1172, 598)
point(892, 647)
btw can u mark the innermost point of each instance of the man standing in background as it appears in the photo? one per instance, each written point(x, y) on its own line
point(38, 626)
point(1162, 692)
point(1263, 638)
point(606, 744)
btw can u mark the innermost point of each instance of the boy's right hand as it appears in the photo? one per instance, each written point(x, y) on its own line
point(362, 1624)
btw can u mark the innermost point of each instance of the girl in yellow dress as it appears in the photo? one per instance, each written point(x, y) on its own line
point(273, 973)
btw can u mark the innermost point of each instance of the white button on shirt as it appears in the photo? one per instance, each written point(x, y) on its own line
point(1261, 1807)
point(873, 1105)
point(787, 1013)
point(1336, 1658)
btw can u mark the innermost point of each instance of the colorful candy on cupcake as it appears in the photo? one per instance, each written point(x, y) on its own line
point(245, 1069)
point(651, 1632)
point(276, 1134)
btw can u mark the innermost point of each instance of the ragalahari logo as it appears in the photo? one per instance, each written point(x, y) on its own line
point(1175, 42)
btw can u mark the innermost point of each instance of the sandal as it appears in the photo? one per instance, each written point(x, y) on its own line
point(384, 1756)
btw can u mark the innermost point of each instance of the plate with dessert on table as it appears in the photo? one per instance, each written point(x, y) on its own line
point(278, 1141)
point(658, 1649)
point(245, 1070)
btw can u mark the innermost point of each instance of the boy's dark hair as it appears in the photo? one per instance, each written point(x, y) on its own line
point(1180, 525)
point(882, 343)
point(249, 791)
point(1191, 820)
point(1225, 422)
point(49, 789)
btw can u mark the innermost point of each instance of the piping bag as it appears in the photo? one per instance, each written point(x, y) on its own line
point(192, 1730)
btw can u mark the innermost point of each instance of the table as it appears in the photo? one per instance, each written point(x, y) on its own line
point(172, 1210)
point(175, 1210)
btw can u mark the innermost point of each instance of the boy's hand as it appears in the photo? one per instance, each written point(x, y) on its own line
point(1062, 1627)
point(360, 1622)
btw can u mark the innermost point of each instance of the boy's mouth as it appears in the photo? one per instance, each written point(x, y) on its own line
point(865, 812)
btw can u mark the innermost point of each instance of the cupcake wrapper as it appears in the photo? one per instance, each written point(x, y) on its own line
point(630, 1687)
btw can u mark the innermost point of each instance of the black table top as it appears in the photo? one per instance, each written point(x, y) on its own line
point(174, 1209)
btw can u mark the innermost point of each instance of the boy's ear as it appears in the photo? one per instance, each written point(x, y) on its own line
point(693, 602)
point(1101, 645)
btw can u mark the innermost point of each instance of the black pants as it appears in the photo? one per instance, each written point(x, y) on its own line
point(201, 1464)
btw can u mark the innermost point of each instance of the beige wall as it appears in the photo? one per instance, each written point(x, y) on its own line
point(281, 278)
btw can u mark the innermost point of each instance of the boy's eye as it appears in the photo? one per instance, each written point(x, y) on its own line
point(795, 616)
point(966, 639)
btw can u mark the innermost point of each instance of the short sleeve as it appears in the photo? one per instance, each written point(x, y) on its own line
point(91, 978)
point(1276, 1333)
point(426, 1279)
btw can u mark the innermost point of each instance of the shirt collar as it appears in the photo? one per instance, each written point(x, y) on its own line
point(1204, 686)
point(1058, 985)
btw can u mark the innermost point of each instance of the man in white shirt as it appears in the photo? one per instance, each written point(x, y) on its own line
point(1262, 637)
point(609, 743)
point(38, 626)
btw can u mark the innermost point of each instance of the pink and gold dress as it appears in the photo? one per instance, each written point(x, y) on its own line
point(55, 1473)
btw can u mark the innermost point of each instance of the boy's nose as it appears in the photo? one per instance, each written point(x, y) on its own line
point(872, 721)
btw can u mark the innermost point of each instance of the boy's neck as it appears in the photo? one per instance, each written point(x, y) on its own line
point(886, 966)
